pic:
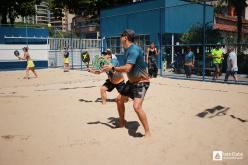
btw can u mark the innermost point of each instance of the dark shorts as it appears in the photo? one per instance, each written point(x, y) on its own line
point(217, 67)
point(110, 86)
point(232, 73)
point(137, 90)
point(188, 69)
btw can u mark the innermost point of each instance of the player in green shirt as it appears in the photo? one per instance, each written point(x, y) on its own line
point(217, 55)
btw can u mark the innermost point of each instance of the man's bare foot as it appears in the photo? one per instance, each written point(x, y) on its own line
point(147, 134)
point(121, 124)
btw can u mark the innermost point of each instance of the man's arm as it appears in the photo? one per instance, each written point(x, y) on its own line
point(125, 68)
point(131, 60)
point(213, 55)
point(95, 71)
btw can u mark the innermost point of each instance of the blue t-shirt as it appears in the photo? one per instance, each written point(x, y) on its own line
point(115, 75)
point(135, 56)
point(189, 57)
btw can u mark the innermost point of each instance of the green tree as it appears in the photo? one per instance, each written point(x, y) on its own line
point(240, 6)
point(195, 36)
point(88, 8)
point(13, 8)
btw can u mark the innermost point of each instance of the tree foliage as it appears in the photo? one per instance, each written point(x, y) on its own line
point(195, 35)
point(14, 8)
point(88, 8)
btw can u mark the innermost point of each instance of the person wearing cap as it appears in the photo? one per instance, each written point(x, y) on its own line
point(217, 56)
point(138, 79)
point(232, 67)
point(30, 63)
point(113, 55)
point(66, 59)
point(115, 79)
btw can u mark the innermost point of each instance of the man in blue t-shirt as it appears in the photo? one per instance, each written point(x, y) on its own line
point(138, 79)
point(189, 62)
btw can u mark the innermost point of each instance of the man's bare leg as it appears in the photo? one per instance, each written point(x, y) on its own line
point(218, 74)
point(121, 109)
point(137, 105)
point(103, 90)
point(235, 77)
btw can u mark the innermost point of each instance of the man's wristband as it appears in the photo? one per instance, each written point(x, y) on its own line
point(113, 69)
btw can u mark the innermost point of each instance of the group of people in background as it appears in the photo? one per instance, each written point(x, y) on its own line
point(216, 54)
point(217, 57)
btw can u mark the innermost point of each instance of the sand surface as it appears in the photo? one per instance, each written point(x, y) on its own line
point(57, 120)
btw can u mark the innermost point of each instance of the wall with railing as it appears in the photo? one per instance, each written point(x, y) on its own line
point(49, 54)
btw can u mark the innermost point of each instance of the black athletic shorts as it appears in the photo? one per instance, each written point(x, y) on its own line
point(137, 90)
point(110, 86)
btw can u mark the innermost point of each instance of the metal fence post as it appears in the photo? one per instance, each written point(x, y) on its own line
point(71, 50)
point(204, 42)
point(81, 62)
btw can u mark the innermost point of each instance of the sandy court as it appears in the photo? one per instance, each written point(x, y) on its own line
point(57, 120)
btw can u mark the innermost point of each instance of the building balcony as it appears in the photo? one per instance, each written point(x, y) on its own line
point(229, 23)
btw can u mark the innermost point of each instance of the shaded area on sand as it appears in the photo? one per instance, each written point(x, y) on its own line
point(98, 100)
point(218, 111)
point(113, 123)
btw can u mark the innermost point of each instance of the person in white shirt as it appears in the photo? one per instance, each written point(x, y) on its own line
point(232, 67)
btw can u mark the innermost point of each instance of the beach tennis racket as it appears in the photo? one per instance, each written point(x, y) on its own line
point(16, 53)
point(85, 56)
point(99, 62)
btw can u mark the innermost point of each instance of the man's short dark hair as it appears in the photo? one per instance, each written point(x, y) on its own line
point(129, 33)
